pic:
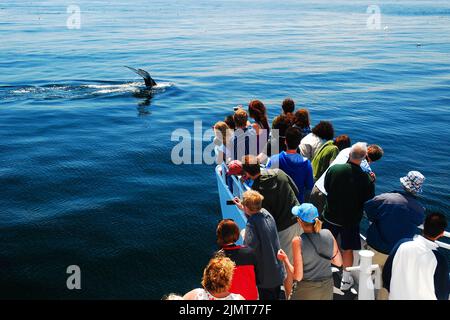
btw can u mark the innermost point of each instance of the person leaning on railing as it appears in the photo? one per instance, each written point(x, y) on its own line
point(394, 215)
point(348, 188)
point(321, 133)
point(280, 195)
point(261, 235)
point(416, 269)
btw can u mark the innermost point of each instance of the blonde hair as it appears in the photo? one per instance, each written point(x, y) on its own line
point(218, 274)
point(252, 200)
point(317, 225)
point(225, 131)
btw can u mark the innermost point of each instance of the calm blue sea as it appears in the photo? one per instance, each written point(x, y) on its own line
point(86, 176)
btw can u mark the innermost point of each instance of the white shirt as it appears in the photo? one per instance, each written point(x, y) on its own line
point(309, 145)
point(413, 270)
point(202, 294)
point(342, 157)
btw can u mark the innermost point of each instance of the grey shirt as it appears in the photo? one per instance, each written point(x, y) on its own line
point(316, 267)
point(261, 235)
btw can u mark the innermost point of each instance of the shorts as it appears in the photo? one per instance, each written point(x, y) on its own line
point(312, 290)
point(349, 236)
point(271, 293)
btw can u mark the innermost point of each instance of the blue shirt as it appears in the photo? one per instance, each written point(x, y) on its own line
point(394, 216)
point(297, 167)
point(262, 236)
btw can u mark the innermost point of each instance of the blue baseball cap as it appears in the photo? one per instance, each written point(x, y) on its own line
point(306, 211)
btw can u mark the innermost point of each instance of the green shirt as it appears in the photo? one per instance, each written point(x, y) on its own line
point(348, 188)
point(280, 195)
point(323, 158)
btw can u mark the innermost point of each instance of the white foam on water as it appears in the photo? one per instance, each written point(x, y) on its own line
point(24, 90)
point(96, 89)
point(128, 87)
point(50, 89)
point(112, 88)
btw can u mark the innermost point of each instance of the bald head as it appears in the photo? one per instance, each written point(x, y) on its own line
point(358, 152)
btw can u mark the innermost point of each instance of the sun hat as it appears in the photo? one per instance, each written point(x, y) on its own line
point(413, 181)
point(306, 211)
point(235, 168)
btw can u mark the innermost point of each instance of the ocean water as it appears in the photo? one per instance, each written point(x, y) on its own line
point(86, 176)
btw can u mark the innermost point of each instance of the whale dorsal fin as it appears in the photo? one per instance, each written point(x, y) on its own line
point(149, 82)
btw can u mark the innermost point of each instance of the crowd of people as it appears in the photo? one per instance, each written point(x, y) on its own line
point(309, 191)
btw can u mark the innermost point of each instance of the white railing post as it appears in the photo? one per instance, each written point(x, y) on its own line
point(366, 287)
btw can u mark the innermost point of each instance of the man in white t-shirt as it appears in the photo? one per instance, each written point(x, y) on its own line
point(415, 269)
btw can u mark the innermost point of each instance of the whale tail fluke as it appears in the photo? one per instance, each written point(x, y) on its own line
point(149, 82)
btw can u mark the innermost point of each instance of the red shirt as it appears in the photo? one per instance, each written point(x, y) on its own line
point(245, 272)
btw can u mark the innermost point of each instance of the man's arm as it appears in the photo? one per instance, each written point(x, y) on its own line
point(251, 239)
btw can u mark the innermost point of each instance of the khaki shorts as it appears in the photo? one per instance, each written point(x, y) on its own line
point(313, 290)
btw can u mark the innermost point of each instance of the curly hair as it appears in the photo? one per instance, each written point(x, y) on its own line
point(302, 118)
point(218, 274)
point(324, 130)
